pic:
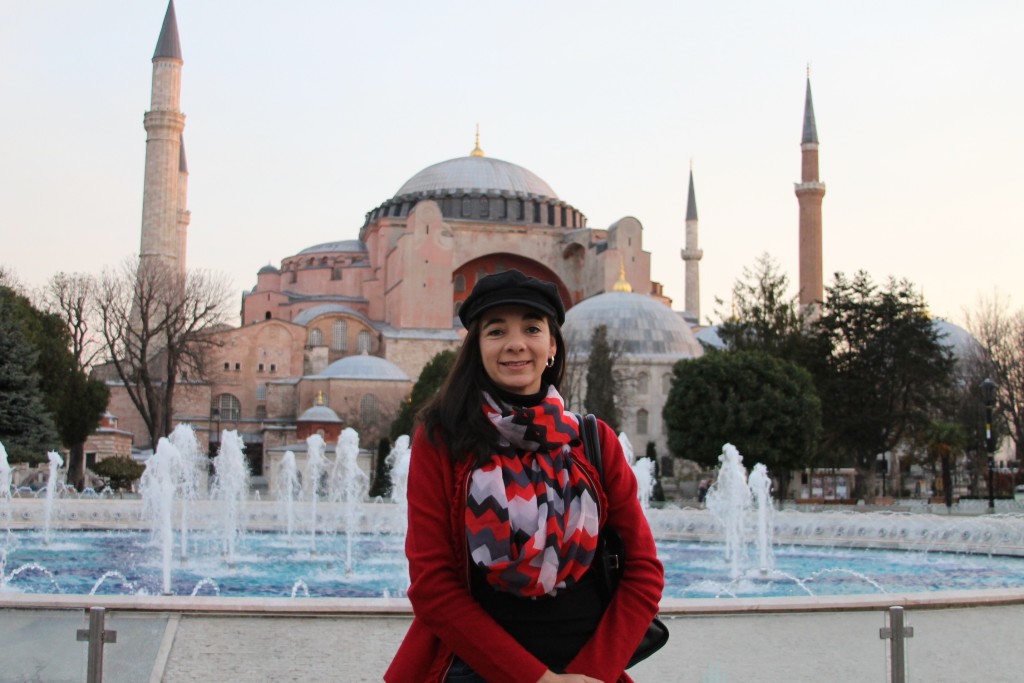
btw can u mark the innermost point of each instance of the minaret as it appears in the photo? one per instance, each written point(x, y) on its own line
point(809, 193)
point(164, 217)
point(691, 257)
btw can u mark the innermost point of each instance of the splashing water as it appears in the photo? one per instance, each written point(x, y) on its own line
point(56, 462)
point(627, 448)
point(761, 486)
point(348, 485)
point(186, 475)
point(286, 487)
point(398, 461)
point(5, 486)
point(315, 463)
point(157, 486)
point(230, 485)
point(729, 501)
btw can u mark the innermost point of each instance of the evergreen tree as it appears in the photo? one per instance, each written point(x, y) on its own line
point(763, 317)
point(881, 370)
point(26, 427)
point(765, 406)
point(430, 380)
point(600, 396)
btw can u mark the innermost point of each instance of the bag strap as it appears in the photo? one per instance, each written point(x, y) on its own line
point(591, 442)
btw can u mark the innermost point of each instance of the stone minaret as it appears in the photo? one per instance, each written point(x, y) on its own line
point(809, 193)
point(691, 257)
point(164, 216)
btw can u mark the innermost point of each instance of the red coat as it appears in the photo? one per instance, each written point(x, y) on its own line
point(448, 619)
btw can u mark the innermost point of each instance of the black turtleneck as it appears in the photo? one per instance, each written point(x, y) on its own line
point(520, 400)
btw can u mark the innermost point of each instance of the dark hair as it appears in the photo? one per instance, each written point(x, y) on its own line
point(455, 418)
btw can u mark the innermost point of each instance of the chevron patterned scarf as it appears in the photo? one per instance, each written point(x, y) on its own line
point(531, 514)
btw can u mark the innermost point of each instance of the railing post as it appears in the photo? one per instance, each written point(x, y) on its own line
point(97, 637)
point(896, 632)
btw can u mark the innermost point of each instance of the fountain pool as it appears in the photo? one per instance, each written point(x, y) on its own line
point(276, 565)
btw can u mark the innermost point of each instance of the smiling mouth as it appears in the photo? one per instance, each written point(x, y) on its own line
point(516, 363)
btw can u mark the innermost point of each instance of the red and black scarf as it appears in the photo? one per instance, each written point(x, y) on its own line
point(531, 514)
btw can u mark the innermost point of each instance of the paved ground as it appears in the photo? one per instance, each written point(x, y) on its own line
point(976, 643)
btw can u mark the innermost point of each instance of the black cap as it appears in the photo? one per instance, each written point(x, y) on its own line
point(512, 287)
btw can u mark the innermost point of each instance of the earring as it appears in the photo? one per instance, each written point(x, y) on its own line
point(551, 361)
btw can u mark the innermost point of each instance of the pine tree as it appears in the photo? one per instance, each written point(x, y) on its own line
point(600, 397)
point(26, 428)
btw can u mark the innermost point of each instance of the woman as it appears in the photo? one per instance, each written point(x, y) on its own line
point(504, 513)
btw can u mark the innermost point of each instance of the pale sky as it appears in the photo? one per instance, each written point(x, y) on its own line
point(304, 115)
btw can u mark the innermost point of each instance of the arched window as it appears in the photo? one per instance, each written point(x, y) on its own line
point(261, 392)
point(643, 384)
point(339, 336)
point(363, 342)
point(641, 421)
point(316, 337)
point(460, 283)
point(227, 407)
point(485, 207)
point(369, 409)
point(666, 383)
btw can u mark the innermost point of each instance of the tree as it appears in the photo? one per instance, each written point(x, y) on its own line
point(121, 471)
point(880, 369)
point(79, 399)
point(26, 427)
point(1000, 335)
point(601, 385)
point(765, 406)
point(156, 324)
point(763, 317)
point(426, 386)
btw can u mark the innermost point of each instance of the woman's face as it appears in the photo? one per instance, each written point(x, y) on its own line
point(515, 344)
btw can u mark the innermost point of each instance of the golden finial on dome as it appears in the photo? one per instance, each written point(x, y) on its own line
point(477, 152)
point(622, 285)
point(319, 398)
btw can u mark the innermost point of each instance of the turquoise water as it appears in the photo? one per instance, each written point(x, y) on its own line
point(274, 565)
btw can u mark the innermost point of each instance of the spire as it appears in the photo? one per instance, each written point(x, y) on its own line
point(691, 199)
point(622, 285)
point(810, 130)
point(477, 152)
point(167, 45)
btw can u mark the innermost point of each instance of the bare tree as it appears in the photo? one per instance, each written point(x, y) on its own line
point(70, 295)
point(1001, 336)
point(156, 325)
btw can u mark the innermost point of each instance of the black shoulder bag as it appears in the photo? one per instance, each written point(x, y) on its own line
point(610, 556)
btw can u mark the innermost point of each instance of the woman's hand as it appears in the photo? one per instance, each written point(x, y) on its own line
point(552, 677)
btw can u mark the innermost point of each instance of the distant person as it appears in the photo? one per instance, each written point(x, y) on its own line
point(505, 509)
point(702, 490)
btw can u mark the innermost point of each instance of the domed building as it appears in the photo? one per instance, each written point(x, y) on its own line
point(646, 339)
point(356, 317)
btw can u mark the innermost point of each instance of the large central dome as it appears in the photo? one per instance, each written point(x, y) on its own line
point(478, 173)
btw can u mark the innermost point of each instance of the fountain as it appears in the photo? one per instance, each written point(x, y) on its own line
point(186, 474)
point(349, 485)
point(5, 487)
point(158, 486)
point(729, 501)
point(315, 463)
point(230, 487)
point(369, 536)
point(56, 462)
point(286, 488)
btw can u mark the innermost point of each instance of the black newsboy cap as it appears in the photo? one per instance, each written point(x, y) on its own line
point(512, 287)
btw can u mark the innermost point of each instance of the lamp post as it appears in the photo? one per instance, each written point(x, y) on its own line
point(988, 389)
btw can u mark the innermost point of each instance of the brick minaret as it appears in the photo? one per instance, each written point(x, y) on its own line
point(691, 257)
point(164, 216)
point(809, 193)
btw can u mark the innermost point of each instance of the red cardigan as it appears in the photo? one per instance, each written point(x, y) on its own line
point(447, 619)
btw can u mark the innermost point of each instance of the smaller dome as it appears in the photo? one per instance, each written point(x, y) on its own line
point(364, 367)
point(319, 414)
point(268, 269)
point(638, 325)
point(344, 246)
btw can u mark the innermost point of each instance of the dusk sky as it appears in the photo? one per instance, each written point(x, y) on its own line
point(302, 116)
